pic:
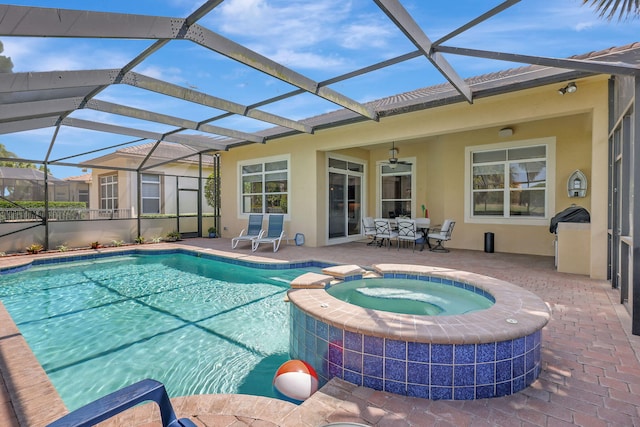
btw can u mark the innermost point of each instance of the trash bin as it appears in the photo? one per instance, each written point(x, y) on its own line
point(488, 243)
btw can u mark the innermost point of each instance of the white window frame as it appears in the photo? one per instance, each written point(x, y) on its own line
point(103, 192)
point(158, 183)
point(263, 161)
point(550, 143)
point(379, 165)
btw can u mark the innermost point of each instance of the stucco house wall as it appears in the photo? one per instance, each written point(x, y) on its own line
point(437, 138)
point(188, 173)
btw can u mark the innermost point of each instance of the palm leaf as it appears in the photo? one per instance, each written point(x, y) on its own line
point(610, 8)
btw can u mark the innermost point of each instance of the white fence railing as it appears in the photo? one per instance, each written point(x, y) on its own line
point(64, 214)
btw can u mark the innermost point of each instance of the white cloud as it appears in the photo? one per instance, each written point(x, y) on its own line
point(303, 34)
point(583, 26)
point(168, 74)
point(41, 54)
point(306, 60)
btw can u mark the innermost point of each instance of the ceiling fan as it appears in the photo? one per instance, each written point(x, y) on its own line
point(393, 157)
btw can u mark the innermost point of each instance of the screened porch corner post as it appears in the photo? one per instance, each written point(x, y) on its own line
point(635, 209)
point(45, 220)
point(216, 191)
point(139, 203)
point(199, 201)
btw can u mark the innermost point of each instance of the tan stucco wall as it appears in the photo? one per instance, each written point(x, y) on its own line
point(128, 184)
point(437, 138)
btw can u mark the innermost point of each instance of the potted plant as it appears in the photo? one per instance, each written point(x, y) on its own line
point(212, 232)
point(34, 248)
point(140, 240)
point(95, 245)
point(173, 236)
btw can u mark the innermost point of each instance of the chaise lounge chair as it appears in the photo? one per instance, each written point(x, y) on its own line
point(274, 235)
point(254, 230)
point(121, 400)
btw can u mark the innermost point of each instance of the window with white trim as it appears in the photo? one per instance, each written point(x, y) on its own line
point(109, 192)
point(265, 186)
point(396, 196)
point(510, 182)
point(150, 192)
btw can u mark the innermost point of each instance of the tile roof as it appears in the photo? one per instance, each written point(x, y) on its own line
point(24, 173)
point(79, 178)
point(166, 150)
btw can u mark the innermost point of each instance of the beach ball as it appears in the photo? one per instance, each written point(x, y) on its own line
point(295, 380)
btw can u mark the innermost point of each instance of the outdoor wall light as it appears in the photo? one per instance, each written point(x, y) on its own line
point(505, 132)
point(577, 184)
point(570, 88)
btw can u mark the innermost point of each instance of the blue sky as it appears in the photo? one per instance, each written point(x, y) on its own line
point(319, 39)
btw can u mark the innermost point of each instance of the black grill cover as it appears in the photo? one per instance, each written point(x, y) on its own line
point(571, 214)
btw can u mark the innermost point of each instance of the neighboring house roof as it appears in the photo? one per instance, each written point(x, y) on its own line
point(485, 85)
point(24, 173)
point(165, 151)
point(80, 178)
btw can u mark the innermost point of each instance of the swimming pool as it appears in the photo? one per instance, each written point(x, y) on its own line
point(198, 325)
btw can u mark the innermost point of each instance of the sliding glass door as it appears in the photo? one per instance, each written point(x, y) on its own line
point(345, 198)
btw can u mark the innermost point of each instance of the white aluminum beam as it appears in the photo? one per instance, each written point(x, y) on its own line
point(399, 15)
point(597, 67)
point(159, 86)
point(30, 110)
point(121, 130)
point(240, 53)
point(41, 22)
point(28, 124)
point(136, 113)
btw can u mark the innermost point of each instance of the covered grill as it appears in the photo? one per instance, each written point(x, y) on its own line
point(571, 214)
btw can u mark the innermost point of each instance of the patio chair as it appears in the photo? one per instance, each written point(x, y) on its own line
point(274, 234)
point(442, 235)
point(384, 232)
point(369, 229)
point(121, 400)
point(407, 232)
point(254, 230)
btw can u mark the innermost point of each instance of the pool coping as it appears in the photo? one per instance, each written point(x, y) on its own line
point(515, 313)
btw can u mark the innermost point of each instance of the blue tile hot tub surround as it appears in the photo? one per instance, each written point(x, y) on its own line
point(432, 371)
point(491, 353)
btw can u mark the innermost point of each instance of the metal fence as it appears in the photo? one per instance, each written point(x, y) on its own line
point(63, 214)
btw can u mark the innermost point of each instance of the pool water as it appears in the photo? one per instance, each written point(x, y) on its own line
point(407, 296)
point(197, 325)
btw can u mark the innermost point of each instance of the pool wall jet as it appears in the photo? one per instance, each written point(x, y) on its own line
point(487, 353)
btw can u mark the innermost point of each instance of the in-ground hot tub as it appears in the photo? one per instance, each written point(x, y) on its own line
point(487, 353)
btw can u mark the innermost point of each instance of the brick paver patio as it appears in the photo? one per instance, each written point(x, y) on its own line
point(590, 376)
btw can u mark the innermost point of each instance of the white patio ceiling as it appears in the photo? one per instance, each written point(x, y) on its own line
point(202, 114)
